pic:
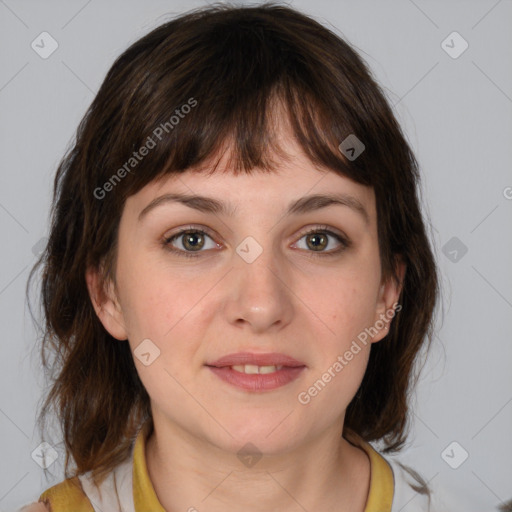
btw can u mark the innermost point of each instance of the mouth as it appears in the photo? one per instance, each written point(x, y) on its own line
point(257, 372)
point(259, 360)
point(253, 369)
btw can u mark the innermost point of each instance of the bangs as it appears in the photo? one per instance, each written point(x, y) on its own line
point(189, 93)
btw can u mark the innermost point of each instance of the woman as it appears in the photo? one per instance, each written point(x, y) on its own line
point(238, 279)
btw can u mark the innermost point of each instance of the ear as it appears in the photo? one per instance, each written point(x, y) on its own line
point(106, 304)
point(387, 301)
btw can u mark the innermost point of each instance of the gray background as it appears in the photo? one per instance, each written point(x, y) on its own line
point(457, 115)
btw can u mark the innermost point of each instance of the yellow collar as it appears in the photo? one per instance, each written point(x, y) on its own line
point(380, 495)
point(144, 496)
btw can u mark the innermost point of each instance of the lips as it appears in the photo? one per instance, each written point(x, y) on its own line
point(257, 372)
point(248, 358)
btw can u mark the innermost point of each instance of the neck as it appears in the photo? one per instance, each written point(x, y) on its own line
point(188, 473)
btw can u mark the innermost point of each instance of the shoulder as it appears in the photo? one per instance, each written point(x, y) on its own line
point(64, 496)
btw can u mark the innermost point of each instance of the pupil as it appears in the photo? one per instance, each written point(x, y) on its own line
point(320, 240)
point(189, 240)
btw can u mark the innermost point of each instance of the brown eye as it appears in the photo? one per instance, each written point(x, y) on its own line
point(192, 240)
point(189, 242)
point(317, 241)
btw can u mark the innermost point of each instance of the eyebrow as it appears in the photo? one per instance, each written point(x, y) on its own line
point(302, 205)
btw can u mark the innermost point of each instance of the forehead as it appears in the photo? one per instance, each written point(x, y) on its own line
point(292, 177)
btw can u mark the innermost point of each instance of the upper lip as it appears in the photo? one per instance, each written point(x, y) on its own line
point(269, 359)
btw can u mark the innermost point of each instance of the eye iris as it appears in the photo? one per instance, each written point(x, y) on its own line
point(319, 241)
point(190, 240)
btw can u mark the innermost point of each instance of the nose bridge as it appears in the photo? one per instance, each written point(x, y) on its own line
point(256, 265)
point(259, 293)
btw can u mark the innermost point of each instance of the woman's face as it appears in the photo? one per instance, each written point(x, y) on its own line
point(248, 282)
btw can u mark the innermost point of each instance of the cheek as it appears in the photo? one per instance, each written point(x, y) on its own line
point(348, 302)
point(167, 308)
point(153, 300)
point(346, 306)
point(162, 310)
point(332, 387)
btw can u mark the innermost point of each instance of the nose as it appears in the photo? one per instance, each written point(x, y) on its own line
point(259, 298)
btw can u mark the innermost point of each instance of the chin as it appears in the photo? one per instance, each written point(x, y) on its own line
point(265, 432)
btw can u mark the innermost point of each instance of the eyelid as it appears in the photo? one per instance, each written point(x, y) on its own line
point(343, 240)
point(166, 240)
point(324, 228)
point(190, 227)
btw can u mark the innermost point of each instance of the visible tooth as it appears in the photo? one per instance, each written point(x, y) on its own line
point(251, 368)
point(267, 369)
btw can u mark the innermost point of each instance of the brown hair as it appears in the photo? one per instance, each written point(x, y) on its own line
point(230, 65)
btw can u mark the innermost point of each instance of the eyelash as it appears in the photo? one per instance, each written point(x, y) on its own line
point(345, 243)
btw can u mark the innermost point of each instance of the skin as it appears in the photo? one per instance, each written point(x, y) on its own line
point(196, 310)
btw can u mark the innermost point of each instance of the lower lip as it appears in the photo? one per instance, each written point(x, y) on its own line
point(257, 382)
